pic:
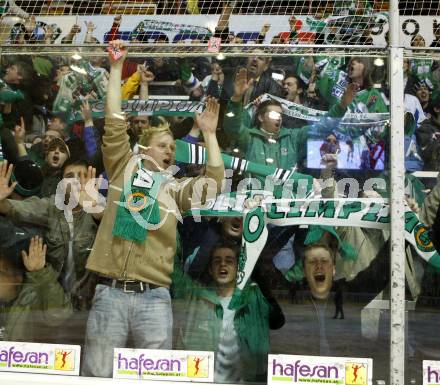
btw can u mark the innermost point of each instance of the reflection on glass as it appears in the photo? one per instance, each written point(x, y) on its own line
point(146, 252)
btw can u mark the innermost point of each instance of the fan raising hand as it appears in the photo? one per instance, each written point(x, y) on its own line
point(208, 119)
point(5, 177)
point(36, 259)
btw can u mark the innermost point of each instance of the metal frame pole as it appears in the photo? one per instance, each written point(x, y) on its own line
point(397, 183)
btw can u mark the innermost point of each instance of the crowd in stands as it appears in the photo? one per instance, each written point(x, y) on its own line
point(186, 6)
point(341, 22)
point(406, 7)
point(347, 22)
point(96, 277)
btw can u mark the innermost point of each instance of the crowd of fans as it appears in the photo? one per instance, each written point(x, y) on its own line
point(76, 272)
point(100, 7)
point(347, 22)
point(341, 22)
point(407, 7)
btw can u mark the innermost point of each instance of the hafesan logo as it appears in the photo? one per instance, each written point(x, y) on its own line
point(431, 372)
point(64, 360)
point(301, 370)
point(171, 365)
point(197, 366)
point(15, 356)
point(40, 358)
point(355, 373)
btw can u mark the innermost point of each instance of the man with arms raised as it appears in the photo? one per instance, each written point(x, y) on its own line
point(136, 241)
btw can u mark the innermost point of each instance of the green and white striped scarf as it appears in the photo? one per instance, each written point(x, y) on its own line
point(153, 107)
point(157, 25)
point(84, 79)
point(196, 154)
point(138, 205)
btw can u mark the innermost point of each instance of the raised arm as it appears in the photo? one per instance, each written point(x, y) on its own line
point(68, 39)
point(207, 122)
point(146, 78)
point(190, 188)
point(89, 135)
point(236, 123)
point(338, 110)
point(89, 39)
point(89, 198)
point(56, 304)
point(223, 21)
point(115, 141)
point(5, 189)
point(19, 136)
point(117, 58)
point(241, 85)
point(114, 31)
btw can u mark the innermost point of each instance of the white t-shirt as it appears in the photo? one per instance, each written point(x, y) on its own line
point(227, 362)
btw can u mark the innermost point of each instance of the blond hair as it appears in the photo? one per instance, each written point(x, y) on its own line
point(161, 126)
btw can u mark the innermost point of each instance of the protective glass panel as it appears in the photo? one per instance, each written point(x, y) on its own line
point(288, 254)
point(421, 99)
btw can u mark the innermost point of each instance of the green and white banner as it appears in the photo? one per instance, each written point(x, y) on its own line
point(179, 107)
point(151, 107)
point(83, 80)
point(158, 25)
point(259, 209)
point(300, 111)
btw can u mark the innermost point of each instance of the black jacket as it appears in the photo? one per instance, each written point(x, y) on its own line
point(429, 144)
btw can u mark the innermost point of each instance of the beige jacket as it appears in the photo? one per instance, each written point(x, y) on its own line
point(151, 261)
point(428, 211)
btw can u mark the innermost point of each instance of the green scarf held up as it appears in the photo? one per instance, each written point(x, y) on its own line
point(138, 206)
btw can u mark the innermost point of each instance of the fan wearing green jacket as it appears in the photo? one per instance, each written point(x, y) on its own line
point(332, 83)
point(41, 300)
point(231, 322)
point(267, 141)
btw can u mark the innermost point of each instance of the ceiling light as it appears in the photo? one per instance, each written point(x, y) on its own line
point(379, 62)
point(80, 70)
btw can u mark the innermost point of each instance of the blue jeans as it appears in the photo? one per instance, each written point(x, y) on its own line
point(148, 316)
